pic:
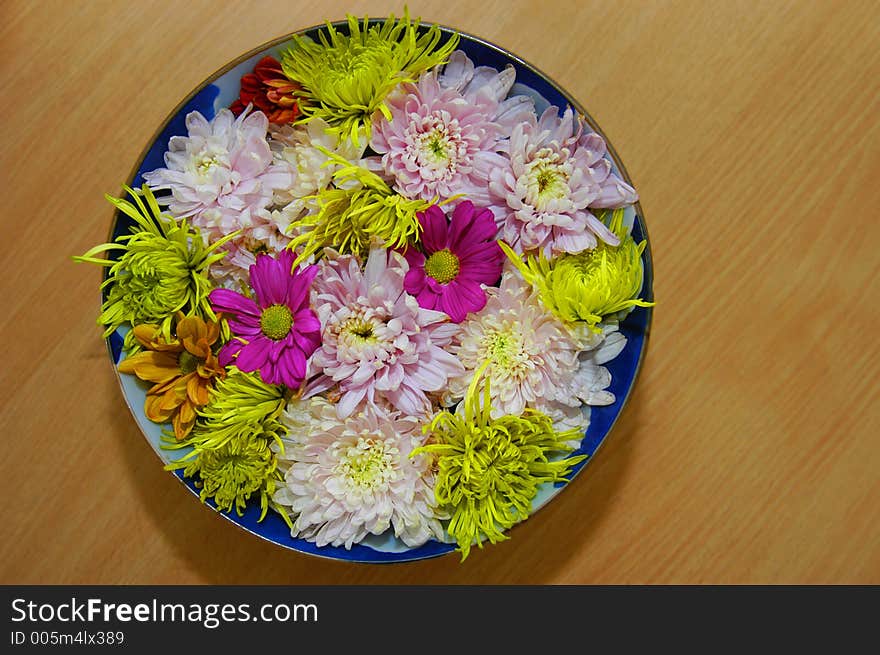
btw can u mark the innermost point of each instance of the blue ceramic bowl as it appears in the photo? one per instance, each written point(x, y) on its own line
point(219, 91)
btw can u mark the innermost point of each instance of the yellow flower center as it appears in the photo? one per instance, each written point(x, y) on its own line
point(359, 328)
point(187, 362)
point(443, 266)
point(276, 321)
point(546, 180)
point(367, 464)
point(505, 350)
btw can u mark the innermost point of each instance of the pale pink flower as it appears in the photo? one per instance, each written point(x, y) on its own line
point(378, 344)
point(355, 478)
point(531, 360)
point(555, 172)
point(440, 141)
point(474, 83)
point(222, 176)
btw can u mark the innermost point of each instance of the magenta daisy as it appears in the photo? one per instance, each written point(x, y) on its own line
point(275, 332)
point(458, 258)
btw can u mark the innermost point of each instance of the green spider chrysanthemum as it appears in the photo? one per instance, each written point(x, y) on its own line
point(232, 473)
point(231, 443)
point(352, 219)
point(488, 470)
point(589, 285)
point(346, 77)
point(162, 269)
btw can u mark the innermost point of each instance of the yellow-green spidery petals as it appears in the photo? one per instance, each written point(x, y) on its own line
point(231, 443)
point(346, 77)
point(488, 470)
point(353, 218)
point(162, 269)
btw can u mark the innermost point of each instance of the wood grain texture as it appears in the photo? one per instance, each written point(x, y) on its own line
point(750, 449)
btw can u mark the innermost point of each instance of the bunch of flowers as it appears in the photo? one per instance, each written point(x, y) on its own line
point(376, 293)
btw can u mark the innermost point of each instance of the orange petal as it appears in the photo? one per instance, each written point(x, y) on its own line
point(151, 366)
point(182, 428)
point(146, 333)
point(187, 412)
point(197, 391)
point(213, 332)
point(153, 410)
point(190, 330)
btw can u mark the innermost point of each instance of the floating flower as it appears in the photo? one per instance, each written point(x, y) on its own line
point(222, 175)
point(435, 143)
point(358, 213)
point(377, 343)
point(556, 171)
point(183, 370)
point(489, 468)
point(162, 270)
point(276, 332)
point(528, 355)
point(346, 77)
point(269, 90)
point(358, 477)
point(231, 443)
point(458, 257)
point(589, 285)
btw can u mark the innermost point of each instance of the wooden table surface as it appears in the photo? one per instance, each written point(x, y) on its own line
point(750, 449)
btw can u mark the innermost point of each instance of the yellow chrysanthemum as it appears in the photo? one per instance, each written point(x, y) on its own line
point(361, 211)
point(231, 443)
point(488, 470)
point(162, 269)
point(589, 285)
point(346, 77)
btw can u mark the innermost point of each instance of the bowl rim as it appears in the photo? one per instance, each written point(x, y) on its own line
point(446, 30)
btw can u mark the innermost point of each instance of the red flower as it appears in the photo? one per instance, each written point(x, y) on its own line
point(270, 91)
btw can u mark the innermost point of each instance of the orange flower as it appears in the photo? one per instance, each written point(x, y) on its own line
point(182, 370)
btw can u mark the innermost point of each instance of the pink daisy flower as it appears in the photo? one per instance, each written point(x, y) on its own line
point(458, 258)
point(276, 332)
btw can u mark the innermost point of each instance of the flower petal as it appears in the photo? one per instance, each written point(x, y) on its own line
point(253, 355)
point(434, 229)
point(230, 302)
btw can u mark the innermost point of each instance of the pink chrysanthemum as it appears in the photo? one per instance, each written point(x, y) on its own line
point(222, 175)
point(555, 172)
point(530, 359)
point(439, 143)
point(276, 332)
point(472, 83)
point(377, 343)
point(355, 477)
point(456, 258)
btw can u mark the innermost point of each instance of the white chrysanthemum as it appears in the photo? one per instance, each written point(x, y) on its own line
point(305, 417)
point(530, 357)
point(356, 478)
point(222, 176)
point(588, 386)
